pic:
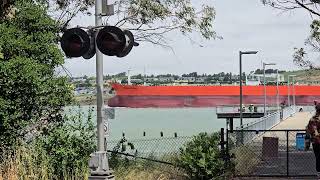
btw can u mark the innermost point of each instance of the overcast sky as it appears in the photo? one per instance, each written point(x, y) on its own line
point(244, 25)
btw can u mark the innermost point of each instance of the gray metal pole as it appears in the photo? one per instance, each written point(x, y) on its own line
point(98, 162)
point(99, 81)
point(240, 64)
point(288, 90)
point(264, 89)
point(293, 94)
point(277, 90)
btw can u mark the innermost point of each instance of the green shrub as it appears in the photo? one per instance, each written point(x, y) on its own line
point(69, 146)
point(201, 157)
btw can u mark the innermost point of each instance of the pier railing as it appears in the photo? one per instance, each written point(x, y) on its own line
point(270, 120)
point(288, 111)
point(266, 122)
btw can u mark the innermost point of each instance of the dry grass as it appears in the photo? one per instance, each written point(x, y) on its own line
point(25, 164)
point(28, 164)
point(154, 173)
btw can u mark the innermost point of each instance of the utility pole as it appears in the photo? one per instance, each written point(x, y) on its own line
point(99, 81)
point(240, 81)
point(278, 108)
point(99, 161)
point(289, 91)
point(264, 86)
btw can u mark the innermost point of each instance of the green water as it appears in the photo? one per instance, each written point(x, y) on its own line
point(152, 121)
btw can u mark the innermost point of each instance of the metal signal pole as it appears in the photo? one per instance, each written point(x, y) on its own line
point(99, 81)
point(99, 161)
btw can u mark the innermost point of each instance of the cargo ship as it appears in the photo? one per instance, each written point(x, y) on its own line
point(140, 96)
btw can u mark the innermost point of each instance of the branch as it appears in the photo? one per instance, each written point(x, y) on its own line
point(307, 8)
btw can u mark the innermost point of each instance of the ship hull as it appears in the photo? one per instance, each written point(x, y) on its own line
point(201, 101)
point(209, 96)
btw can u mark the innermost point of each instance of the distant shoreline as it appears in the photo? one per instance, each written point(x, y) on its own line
point(89, 99)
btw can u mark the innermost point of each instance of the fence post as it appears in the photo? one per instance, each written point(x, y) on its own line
point(222, 143)
point(287, 133)
point(227, 148)
point(222, 139)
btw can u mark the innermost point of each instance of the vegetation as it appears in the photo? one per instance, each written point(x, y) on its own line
point(312, 43)
point(201, 157)
point(32, 96)
point(63, 153)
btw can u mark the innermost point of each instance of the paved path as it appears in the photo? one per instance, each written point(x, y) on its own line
point(297, 121)
point(300, 162)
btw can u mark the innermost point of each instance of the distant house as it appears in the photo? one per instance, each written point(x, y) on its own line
point(234, 77)
point(188, 79)
point(151, 79)
point(269, 77)
point(201, 79)
point(166, 79)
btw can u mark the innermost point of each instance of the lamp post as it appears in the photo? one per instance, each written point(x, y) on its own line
point(278, 108)
point(288, 90)
point(240, 81)
point(293, 91)
point(264, 85)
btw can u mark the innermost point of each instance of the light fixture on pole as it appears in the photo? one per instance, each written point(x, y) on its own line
point(240, 79)
point(278, 108)
point(264, 85)
point(293, 90)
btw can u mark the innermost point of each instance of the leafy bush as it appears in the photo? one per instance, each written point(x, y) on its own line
point(69, 146)
point(201, 157)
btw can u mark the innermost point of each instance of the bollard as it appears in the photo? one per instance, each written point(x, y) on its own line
point(175, 135)
point(161, 134)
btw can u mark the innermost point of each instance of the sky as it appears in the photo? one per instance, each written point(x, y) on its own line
point(244, 25)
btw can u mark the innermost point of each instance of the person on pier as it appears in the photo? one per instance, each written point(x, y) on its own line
point(313, 136)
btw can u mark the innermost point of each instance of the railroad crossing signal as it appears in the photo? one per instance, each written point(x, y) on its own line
point(110, 40)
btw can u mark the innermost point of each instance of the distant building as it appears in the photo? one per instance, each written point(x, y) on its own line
point(166, 79)
point(269, 78)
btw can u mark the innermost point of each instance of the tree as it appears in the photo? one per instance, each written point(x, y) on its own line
point(31, 94)
point(311, 6)
point(149, 20)
point(201, 157)
point(300, 55)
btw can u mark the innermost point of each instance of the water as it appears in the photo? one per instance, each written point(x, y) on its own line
point(152, 121)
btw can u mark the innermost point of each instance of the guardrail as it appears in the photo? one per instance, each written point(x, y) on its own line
point(236, 108)
point(270, 120)
point(263, 123)
point(288, 111)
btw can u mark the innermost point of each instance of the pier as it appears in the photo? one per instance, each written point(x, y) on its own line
point(274, 150)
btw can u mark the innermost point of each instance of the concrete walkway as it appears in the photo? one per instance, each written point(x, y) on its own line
point(300, 162)
point(298, 121)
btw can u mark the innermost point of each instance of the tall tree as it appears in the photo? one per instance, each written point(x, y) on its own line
point(300, 55)
point(31, 94)
point(149, 20)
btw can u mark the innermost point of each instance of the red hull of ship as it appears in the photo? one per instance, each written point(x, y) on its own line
point(206, 96)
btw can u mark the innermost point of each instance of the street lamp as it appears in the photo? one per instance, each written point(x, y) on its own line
point(293, 92)
point(240, 66)
point(278, 108)
point(264, 85)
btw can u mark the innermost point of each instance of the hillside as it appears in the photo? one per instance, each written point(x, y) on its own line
point(304, 75)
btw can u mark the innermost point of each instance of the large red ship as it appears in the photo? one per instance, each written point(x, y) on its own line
point(138, 96)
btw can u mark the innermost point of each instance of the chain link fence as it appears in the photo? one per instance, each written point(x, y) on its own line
point(146, 158)
point(270, 153)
